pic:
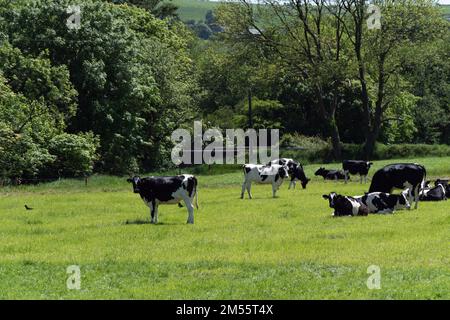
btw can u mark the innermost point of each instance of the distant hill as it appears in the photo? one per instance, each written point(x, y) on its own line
point(194, 9)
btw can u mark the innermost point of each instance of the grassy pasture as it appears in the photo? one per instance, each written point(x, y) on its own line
point(263, 248)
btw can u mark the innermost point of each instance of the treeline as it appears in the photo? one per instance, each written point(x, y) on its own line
point(106, 96)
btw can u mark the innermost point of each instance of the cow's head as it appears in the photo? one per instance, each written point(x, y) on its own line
point(135, 181)
point(331, 198)
point(402, 202)
point(320, 172)
point(283, 172)
point(369, 164)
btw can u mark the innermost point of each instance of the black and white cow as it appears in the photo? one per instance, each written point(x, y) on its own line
point(345, 206)
point(274, 174)
point(295, 170)
point(330, 174)
point(438, 193)
point(167, 190)
point(400, 176)
point(380, 202)
point(445, 183)
point(356, 167)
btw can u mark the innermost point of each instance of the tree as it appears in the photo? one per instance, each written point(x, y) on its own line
point(380, 53)
point(307, 38)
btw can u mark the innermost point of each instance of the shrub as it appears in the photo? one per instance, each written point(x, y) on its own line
point(75, 154)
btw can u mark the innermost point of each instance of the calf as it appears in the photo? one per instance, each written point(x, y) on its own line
point(167, 190)
point(379, 202)
point(401, 175)
point(437, 193)
point(274, 174)
point(330, 174)
point(356, 167)
point(295, 170)
point(345, 206)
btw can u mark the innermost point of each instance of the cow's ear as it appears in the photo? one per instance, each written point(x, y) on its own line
point(326, 197)
point(129, 180)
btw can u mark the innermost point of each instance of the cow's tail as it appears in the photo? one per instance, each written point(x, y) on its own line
point(196, 192)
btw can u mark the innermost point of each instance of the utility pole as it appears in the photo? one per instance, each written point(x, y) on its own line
point(250, 115)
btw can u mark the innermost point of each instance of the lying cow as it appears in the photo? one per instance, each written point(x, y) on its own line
point(345, 206)
point(167, 190)
point(274, 174)
point(402, 175)
point(380, 202)
point(330, 174)
point(295, 170)
point(356, 167)
point(445, 183)
point(438, 193)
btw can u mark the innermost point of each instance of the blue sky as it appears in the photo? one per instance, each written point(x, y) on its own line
point(444, 1)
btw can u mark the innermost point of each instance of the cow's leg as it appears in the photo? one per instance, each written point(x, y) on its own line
point(190, 209)
point(360, 179)
point(249, 190)
point(416, 196)
point(274, 189)
point(243, 189)
point(292, 183)
point(155, 214)
point(346, 176)
point(152, 206)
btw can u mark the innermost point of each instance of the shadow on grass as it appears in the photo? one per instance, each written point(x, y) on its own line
point(141, 221)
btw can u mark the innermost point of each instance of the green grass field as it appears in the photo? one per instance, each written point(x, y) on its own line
point(284, 248)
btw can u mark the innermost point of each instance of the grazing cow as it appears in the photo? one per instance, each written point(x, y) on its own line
point(167, 190)
point(274, 174)
point(379, 202)
point(295, 170)
point(437, 193)
point(401, 175)
point(356, 167)
point(330, 174)
point(345, 206)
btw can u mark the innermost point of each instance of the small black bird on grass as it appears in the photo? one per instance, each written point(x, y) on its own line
point(28, 208)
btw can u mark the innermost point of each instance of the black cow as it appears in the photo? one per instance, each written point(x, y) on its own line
point(356, 167)
point(295, 170)
point(330, 174)
point(401, 176)
point(437, 193)
point(167, 190)
point(346, 206)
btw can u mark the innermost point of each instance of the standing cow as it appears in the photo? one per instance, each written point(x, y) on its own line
point(356, 167)
point(295, 170)
point(167, 190)
point(401, 176)
point(274, 174)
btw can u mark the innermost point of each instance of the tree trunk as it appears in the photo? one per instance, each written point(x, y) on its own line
point(335, 140)
point(331, 125)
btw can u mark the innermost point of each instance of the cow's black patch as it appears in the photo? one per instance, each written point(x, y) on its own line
point(264, 177)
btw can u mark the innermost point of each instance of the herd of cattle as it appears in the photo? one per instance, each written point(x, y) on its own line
point(411, 178)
